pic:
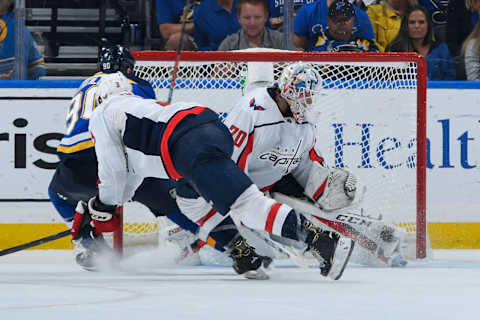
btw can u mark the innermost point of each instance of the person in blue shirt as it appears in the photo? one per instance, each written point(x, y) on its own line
point(170, 17)
point(213, 21)
point(438, 12)
point(311, 20)
point(276, 11)
point(416, 35)
point(339, 35)
point(34, 63)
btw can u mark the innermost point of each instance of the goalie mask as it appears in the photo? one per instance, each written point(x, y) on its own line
point(111, 84)
point(298, 85)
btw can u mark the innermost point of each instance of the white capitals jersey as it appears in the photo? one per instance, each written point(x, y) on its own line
point(267, 145)
point(131, 142)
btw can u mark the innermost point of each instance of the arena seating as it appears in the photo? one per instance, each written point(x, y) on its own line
point(69, 32)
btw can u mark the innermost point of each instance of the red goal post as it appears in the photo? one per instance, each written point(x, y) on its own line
point(349, 80)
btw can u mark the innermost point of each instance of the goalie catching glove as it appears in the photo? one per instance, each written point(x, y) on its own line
point(94, 218)
point(332, 188)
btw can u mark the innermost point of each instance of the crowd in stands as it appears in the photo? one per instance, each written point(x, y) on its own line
point(33, 60)
point(445, 32)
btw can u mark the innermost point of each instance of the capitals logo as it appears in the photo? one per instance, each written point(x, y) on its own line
point(254, 106)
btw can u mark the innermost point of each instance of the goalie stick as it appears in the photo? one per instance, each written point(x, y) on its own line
point(341, 227)
point(35, 243)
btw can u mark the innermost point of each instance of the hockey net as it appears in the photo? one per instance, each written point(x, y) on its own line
point(372, 119)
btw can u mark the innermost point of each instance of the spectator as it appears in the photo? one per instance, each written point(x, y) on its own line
point(214, 20)
point(363, 4)
point(416, 35)
point(339, 35)
point(386, 18)
point(170, 17)
point(471, 50)
point(437, 10)
point(311, 21)
point(276, 11)
point(252, 15)
point(462, 16)
point(34, 63)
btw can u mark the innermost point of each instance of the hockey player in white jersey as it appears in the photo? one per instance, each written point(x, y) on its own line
point(274, 144)
point(134, 139)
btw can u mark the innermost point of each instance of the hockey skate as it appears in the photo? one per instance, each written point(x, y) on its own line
point(87, 251)
point(329, 248)
point(189, 255)
point(247, 262)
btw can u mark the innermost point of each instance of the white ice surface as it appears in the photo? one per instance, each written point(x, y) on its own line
point(37, 285)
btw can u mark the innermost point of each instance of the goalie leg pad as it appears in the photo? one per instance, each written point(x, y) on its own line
point(373, 234)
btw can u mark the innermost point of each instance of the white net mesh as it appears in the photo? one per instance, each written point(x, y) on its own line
point(368, 112)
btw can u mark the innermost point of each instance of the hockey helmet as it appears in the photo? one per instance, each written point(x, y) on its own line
point(115, 58)
point(299, 84)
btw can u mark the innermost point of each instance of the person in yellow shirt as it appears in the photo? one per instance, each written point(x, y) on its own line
point(386, 18)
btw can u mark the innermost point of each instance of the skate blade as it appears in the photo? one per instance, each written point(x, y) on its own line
point(341, 257)
point(258, 274)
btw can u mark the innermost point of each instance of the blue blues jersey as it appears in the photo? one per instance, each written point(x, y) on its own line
point(77, 141)
point(437, 9)
point(33, 60)
point(324, 43)
point(311, 20)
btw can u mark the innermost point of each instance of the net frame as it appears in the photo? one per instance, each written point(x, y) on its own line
point(337, 57)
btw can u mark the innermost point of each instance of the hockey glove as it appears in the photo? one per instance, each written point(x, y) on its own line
point(105, 218)
point(82, 226)
point(332, 188)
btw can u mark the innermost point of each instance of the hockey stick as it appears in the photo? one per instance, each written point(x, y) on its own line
point(35, 243)
point(351, 232)
point(341, 227)
point(179, 49)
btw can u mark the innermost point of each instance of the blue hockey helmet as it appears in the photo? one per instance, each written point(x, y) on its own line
point(115, 58)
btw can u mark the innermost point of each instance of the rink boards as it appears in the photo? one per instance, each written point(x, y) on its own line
point(33, 122)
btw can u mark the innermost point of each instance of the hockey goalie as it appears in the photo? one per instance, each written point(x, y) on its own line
point(273, 129)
